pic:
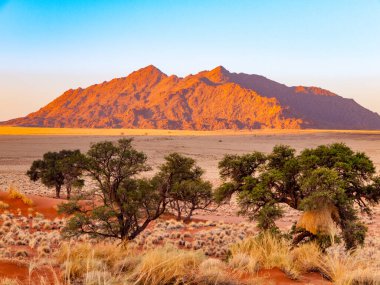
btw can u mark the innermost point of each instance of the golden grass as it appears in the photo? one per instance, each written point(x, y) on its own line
point(108, 264)
point(5, 130)
point(79, 259)
point(167, 265)
point(348, 269)
point(267, 251)
point(214, 271)
point(41, 279)
point(242, 263)
point(307, 257)
point(13, 193)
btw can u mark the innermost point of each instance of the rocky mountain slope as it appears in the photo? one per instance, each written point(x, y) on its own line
point(209, 100)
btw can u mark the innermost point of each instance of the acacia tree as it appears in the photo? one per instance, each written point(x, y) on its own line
point(57, 169)
point(349, 178)
point(329, 178)
point(185, 188)
point(123, 205)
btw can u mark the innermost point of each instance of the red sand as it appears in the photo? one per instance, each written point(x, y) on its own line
point(277, 277)
point(44, 205)
point(20, 271)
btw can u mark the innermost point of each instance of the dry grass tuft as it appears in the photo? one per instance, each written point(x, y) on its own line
point(307, 257)
point(13, 193)
point(346, 268)
point(80, 259)
point(243, 263)
point(214, 271)
point(266, 251)
point(167, 265)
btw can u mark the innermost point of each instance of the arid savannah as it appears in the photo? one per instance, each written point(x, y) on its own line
point(218, 246)
point(212, 142)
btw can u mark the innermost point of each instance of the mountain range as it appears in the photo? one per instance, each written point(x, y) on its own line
point(208, 100)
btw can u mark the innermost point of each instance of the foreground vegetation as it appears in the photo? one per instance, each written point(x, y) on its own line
point(108, 264)
point(120, 232)
point(168, 265)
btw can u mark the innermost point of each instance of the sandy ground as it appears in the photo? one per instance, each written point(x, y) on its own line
point(18, 151)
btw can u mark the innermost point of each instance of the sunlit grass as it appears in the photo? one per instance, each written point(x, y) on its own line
point(13, 193)
point(265, 251)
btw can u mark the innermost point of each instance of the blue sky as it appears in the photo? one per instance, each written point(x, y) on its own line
point(47, 47)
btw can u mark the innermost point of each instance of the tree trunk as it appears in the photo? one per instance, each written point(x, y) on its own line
point(188, 217)
point(57, 191)
point(68, 190)
point(179, 213)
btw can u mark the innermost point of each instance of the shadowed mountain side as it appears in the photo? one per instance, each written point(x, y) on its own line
point(318, 108)
point(209, 100)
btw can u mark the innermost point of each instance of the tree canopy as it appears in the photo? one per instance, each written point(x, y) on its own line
point(186, 190)
point(123, 204)
point(328, 179)
point(57, 169)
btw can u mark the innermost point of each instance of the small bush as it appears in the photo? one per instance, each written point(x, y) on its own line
point(21, 253)
point(14, 194)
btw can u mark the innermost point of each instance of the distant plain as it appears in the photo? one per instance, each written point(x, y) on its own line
point(20, 146)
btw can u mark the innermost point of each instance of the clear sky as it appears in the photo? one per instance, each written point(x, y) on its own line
point(49, 46)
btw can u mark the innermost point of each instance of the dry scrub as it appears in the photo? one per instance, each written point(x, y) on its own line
point(13, 193)
point(91, 264)
point(347, 268)
point(175, 253)
point(264, 251)
point(267, 251)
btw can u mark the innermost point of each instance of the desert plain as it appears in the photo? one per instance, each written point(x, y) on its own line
point(19, 147)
